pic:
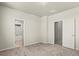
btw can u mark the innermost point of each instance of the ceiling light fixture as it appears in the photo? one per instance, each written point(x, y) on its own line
point(44, 3)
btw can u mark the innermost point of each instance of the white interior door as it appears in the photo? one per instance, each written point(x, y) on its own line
point(68, 33)
point(77, 33)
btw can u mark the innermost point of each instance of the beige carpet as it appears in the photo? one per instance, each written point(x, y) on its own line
point(41, 49)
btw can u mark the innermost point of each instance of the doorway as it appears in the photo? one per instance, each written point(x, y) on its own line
point(58, 32)
point(19, 37)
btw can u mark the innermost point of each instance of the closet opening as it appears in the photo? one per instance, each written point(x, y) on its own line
point(58, 32)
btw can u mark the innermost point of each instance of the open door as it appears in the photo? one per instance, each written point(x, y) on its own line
point(68, 33)
point(77, 33)
point(19, 33)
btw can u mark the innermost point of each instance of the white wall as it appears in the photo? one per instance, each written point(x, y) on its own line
point(7, 28)
point(65, 16)
point(44, 29)
point(32, 30)
point(32, 26)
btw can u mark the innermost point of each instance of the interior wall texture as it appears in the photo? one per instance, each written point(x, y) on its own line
point(44, 35)
point(67, 17)
point(36, 29)
point(7, 27)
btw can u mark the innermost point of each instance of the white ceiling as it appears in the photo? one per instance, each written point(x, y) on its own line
point(41, 8)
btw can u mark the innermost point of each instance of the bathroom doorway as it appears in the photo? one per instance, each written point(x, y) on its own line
point(19, 30)
point(58, 32)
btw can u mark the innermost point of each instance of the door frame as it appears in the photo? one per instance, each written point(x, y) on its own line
point(23, 31)
point(58, 20)
point(55, 32)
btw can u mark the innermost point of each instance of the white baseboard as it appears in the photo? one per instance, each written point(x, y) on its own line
point(7, 49)
point(31, 43)
point(47, 42)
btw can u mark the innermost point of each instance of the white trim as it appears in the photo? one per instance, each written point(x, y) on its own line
point(23, 31)
point(6, 49)
point(31, 43)
point(62, 30)
point(57, 20)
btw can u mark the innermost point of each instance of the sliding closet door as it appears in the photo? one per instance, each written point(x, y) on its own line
point(68, 33)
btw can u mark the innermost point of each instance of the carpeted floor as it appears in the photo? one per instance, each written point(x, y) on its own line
point(40, 49)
